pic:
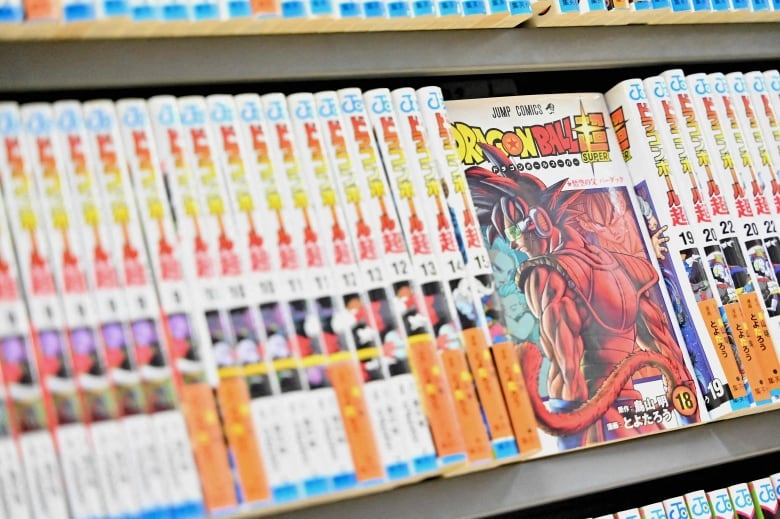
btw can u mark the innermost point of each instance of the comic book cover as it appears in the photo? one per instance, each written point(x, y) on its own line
point(768, 182)
point(256, 241)
point(739, 287)
point(383, 255)
point(628, 514)
point(653, 511)
point(484, 333)
point(720, 504)
point(550, 193)
point(171, 279)
point(14, 493)
point(118, 479)
point(457, 310)
point(123, 261)
point(740, 207)
point(764, 499)
point(676, 507)
point(686, 275)
point(229, 301)
point(437, 334)
point(357, 301)
point(48, 333)
point(289, 456)
point(698, 505)
point(742, 500)
point(310, 292)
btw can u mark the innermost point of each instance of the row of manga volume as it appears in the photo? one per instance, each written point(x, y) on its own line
point(634, 246)
point(215, 301)
point(567, 13)
point(109, 18)
point(753, 500)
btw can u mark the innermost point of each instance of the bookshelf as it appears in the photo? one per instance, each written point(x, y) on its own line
point(42, 62)
point(127, 63)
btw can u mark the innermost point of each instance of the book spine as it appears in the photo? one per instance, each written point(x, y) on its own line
point(201, 412)
point(445, 259)
point(118, 478)
point(675, 245)
point(395, 270)
point(742, 500)
point(425, 359)
point(676, 508)
point(698, 505)
point(311, 297)
point(289, 461)
point(15, 491)
point(653, 511)
point(764, 499)
point(349, 288)
point(736, 287)
point(740, 358)
point(720, 504)
point(47, 327)
point(478, 339)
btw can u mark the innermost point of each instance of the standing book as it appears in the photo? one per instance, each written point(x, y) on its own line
point(551, 191)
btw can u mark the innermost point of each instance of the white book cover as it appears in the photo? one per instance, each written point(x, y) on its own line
point(552, 192)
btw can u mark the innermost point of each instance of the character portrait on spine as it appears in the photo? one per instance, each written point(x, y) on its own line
point(589, 284)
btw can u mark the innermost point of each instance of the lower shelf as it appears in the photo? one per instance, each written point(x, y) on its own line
point(553, 479)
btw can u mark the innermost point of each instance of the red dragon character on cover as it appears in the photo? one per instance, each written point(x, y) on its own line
point(598, 325)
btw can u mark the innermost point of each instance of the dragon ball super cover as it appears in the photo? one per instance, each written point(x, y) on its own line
point(580, 291)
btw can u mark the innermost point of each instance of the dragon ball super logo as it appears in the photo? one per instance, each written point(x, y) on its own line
point(569, 140)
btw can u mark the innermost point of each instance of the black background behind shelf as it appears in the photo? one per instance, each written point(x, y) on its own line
point(475, 86)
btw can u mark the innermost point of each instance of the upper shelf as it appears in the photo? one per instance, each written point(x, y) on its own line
point(549, 480)
point(121, 63)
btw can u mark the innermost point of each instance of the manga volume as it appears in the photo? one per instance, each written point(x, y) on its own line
point(600, 356)
point(720, 504)
point(678, 249)
point(383, 254)
point(48, 335)
point(433, 330)
point(476, 300)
